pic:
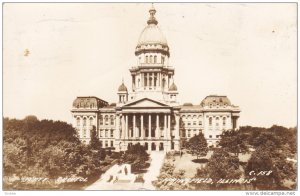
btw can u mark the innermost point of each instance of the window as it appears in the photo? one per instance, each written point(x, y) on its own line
point(91, 121)
point(151, 59)
point(162, 60)
point(84, 121)
point(155, 59)
point(189, 133)
point(101, 120)
point(106, 144)
point(84, 133)
point(111, 120)
point(183, 133)
point(200, 122)
point(189, 123)
point(106, 133)
point(111, 143)
point(78, 121)
point(210, 121)
point(194, 123)
point(106, 120)
point(112, 133)
point(224, 121)
point(146, 59)
point(210, 136)
point(145, 80)
point(217, 121)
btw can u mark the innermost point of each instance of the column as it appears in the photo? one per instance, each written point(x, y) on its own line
point(177, 127)
point(126, 126)
point(123, 126)
point(165, 126)
point(142, 126)
point(237, 126)
point(169, 126)
point(157, 127)
point(149, 131)
point(177, 136)
point(142, 80)
point(117, 127)
point(134, 129)
point(148, 80)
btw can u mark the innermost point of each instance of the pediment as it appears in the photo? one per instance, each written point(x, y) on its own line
point(146, 102)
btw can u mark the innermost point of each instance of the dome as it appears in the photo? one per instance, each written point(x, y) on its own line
point(216, 100)
point(152, 35)
point(173, 87)
point(152, 39)
point(122, 87)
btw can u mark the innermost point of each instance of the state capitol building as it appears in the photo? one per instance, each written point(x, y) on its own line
point(150, 114)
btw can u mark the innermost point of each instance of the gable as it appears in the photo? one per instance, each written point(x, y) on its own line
point(146, 102)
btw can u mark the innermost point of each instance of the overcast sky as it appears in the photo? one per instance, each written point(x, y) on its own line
point(245, 51)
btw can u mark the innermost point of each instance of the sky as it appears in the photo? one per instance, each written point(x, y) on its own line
point(54, 52)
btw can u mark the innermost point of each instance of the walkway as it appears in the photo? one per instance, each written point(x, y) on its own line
point(128, 184)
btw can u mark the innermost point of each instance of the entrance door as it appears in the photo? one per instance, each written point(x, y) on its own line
point(161, 146)
point(153, 147)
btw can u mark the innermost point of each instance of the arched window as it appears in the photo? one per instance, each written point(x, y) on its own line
point(84, 121)
point(78, 121)
point(210, 121)
point(106, 120)
point(224, 121)
point(151, 59)
point(91, 121)
point(217, 121)
point(155, 59)
point(146, 59)
point(111, 120)
point(101, 120)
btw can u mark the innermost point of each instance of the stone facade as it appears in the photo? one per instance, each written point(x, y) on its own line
point(150, 114)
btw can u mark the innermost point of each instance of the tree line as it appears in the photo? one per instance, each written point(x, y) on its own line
point(48, 149)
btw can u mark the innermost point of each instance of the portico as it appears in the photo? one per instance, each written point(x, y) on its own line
point(147, 122)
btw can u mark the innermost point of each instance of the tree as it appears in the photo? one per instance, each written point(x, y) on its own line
point(137, 156)
point(269, 159)
point(198, 145)
point(95, 143)
point(234, 142)
point(221, 165)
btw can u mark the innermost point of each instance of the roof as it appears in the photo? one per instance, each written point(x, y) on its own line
point(122, 87)
point(215, 100)
point(152, 35)
point(89, 102)
point(173, 87)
